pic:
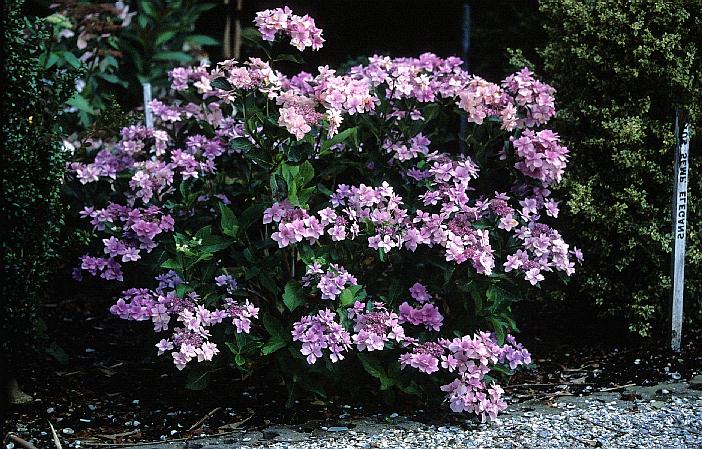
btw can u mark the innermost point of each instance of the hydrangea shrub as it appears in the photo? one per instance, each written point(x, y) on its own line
point(319, 220)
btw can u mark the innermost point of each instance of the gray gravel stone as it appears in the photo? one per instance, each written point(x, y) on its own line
point(599, 420)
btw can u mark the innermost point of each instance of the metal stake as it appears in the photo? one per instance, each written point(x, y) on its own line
point(681, 175)
point(148, 114)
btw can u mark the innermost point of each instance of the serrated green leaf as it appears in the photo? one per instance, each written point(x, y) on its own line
point(279, 336)
point(240, 144)
point(273, 345)
point(172, 264)
point(348, 296)
point(292, 195)
point(375, 369)
point(228, 221)
point(81, 103)
point(304, 195)
point(164, 37)
point(305, 173)
point(293, 296)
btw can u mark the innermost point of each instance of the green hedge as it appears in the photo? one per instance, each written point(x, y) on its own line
point(621, 68)
point(32, 171)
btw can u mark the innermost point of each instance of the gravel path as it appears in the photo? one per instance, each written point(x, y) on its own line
point(663, 416)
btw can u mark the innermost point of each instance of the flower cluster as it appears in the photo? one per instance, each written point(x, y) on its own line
point(189, 340)
point(321, 332)
point(427, 315)
point(544, 250)
point(541, 156)
point(471, 358)
point(302, 30)
point(294, 224)
point(330, 282)
point(374, 328)
point(133, 230)
point(532, 95)
point(417, 145)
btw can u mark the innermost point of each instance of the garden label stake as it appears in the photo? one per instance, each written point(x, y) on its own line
point(681, 174)
point(148, 114)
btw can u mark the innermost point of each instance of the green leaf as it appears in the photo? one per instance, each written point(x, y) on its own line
point(500, 297)
point(339, 138)
point(289, 172)
point(228, 221)
point(201, 39)
point(279, 336)
point(182, 289)
point(179, 56)
point(71, 59)
point(273, 345)
point(299, 152)
point(81, 103)
point(375, 369)
point(290, 57)
point(274, 326)
point(292, 195)
point(305, 173)
point(172, 264)
point(204, 232)
point(348, 296)
point(197, 380)
point(147, 8)
point(252, 214)
point(304, 195)
point(293, 297)
point(110, 78)
point(410, 388)
point(222, 83)
point(259, 157)
point(57, 352)
point(53, 59)
point(240, 143)
point(164, 37)
point(214, 243)
point(252, 35)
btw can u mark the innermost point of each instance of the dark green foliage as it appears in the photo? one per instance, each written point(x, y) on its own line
point(621, 69)
point(32, 171)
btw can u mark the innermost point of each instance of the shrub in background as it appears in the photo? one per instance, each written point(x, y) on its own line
point(117, 46)
point(621, 68)
point(32, 172)
point(308, 223)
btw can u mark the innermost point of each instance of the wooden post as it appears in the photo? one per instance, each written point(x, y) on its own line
point(148, 114)
point(681, 175)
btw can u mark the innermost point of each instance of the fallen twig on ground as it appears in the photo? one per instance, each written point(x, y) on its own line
point(204, 418)
point(617, 387)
